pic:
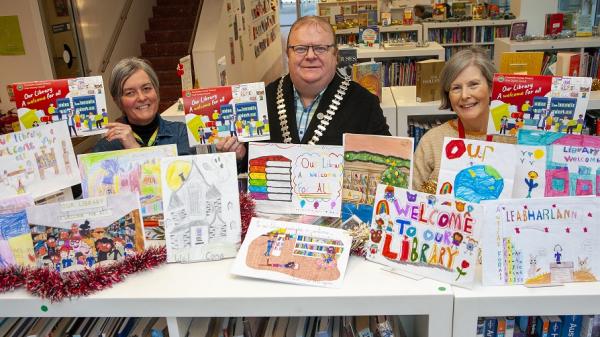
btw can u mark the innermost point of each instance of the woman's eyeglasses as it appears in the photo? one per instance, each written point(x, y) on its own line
point(318, 49)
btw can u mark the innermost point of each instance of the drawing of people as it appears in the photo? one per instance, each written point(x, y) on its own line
point(90, 120)
point(290, 265)
point(557, 253)
point(232, 128)
point(549, 120)
point(77, 119)
point(251, 127)
point(328, 259)
point(99, 119)
point(571, 125)
point(580, 122)
point(103, 247)
point(259, 127)
point(265, 121)
point(530, 182)
point(542, 121)
point(269, 246)
point(239, 126)
point(526, 108)
point(201, 134)
point(51, 111)
point(71, 123)
point(503, 125)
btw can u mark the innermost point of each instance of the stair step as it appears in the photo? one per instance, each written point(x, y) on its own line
point(165, 49)
point(172, 23)
point(177, 2)
point(168, 35)
point(168, 77)
point(174, 11)
point(164, 62)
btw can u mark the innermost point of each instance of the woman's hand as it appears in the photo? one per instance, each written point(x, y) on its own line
point(231, 144)
point(123, 133)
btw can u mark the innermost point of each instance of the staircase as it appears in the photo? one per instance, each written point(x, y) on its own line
point(168, 40)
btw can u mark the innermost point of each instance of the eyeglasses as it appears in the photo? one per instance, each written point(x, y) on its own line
point(318, 49)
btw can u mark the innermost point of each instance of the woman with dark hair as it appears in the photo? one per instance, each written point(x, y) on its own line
point(134, 88)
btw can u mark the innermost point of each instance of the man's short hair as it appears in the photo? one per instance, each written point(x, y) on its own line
point(316, 21)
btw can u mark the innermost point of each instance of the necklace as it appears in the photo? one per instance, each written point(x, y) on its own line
point(320, 130)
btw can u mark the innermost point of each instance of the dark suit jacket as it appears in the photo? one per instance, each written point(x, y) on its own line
point(359, 113)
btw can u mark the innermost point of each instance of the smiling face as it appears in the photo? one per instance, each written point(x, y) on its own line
point(470, 98)
point(311, 73)
point(139, 101)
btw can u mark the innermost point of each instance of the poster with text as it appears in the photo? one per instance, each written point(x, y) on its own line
point(78, 102)
point(536, 102)
point(476, 170)
point(296, 178)
point(37, 161)
point(294, 253)
point(214, 113)
point(541, 241)
point(433, 236)
point(201, 207)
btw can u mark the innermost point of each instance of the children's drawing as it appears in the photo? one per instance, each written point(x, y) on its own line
point(15, 243)
point(566, 165)
point(133, 171)
point(434, 236)
point(474, 170)
point(201, 206)
point(534, 102)
point(37, 161)
point(80, 102)
point(82, 234)
point(370, 160)
point(238, 110)
point(294, 253)
point(541, 241)
point(296, 178)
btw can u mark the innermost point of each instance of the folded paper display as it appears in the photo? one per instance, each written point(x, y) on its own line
point(84, 233)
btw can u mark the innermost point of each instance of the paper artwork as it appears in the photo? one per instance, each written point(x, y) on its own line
point(78, 102)
point(214, 113)
point(555, 164)
point(433, 236)
point(530, 102)
point(541, 241)
point(294, 253)
point(475, 170)
point(15, 243)
point(85, 233)
point(128, 171)
point(37, 161)
point(296, 178)
point(370, 160)
point(201, 206)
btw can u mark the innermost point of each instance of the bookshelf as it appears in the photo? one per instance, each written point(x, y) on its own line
point(348, 8)
point(455, 36)
point(181, 291)
point(413, 33)
point(568, 299)
point(577, 44)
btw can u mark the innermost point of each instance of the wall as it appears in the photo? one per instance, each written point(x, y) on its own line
point(35, 64)
point(534, 11)
point(98, 19)
point(213, 42)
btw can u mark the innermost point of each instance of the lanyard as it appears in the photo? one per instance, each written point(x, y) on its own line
point(461, 132)
point(150, 141)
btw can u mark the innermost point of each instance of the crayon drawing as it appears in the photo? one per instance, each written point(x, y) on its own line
point(37, 161)
point(133, 171)
point(15, 246)
point(434, 236)
point(474, 170)
point(296, 178)
point(570, 165)
point(201, 206)
point(370, 160)
point(294, 253)
point(541, 241)
point(85, 233)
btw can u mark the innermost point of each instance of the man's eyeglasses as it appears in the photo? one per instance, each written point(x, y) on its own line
point(318, 49)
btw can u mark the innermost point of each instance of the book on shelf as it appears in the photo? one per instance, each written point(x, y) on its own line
point(159, 329)
point(567, 64)
point(584, 20)
point(554, 23)
point(369, 76)
point(501, 327)
point(479, 12)
point(368, 35)
point(428, 79)
point(439, 11)
point(367, 17)
point(459, 9)
point(523, 63)
point(386, 18)
point(549, 64)
point(571, 325)
point(408, 17)
point(518, 29)
point(510, 327)
point(490, 326)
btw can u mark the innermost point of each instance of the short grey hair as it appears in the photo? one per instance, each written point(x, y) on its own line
point(315, 21)
point(457, 63)
point(123, 70)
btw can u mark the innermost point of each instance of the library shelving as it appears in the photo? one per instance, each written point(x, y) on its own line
point(407, 107)
point(455, 36)
point(348, 8)
point(181, 291)
point(577, 44)
point(413, 33)
point(518, 300)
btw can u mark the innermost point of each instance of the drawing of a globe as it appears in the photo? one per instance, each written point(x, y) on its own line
point(479, 182)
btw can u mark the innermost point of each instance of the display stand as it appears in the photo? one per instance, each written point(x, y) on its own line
point(180, 291)
point(407, 107)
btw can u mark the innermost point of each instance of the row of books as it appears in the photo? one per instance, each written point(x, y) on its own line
point(418, 129)
point(489, 33)
point(398, 73)
point(83, 327)
point(539, 326)
point(451, 50)
point(311, 326)
point(451, 35)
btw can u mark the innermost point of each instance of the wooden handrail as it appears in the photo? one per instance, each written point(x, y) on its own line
point(115, 36)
